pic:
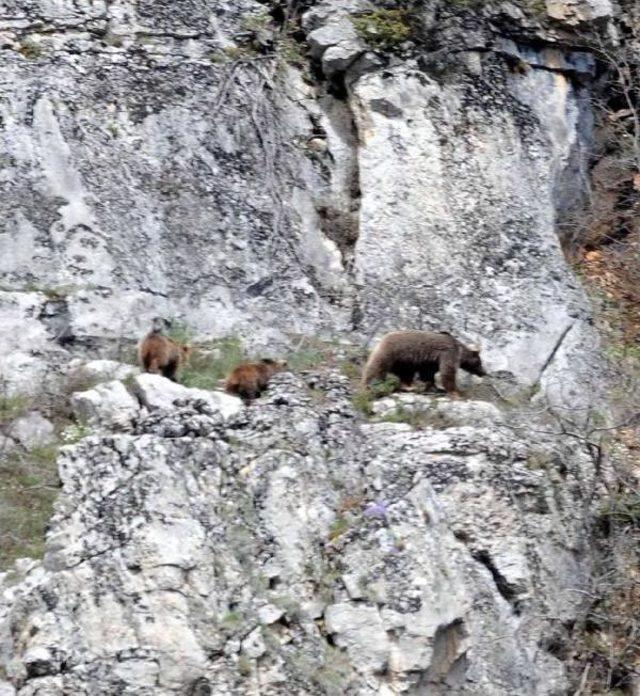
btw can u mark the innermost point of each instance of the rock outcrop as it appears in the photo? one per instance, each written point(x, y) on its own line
point(207, 178)
point(295, 549)
point(330, 170)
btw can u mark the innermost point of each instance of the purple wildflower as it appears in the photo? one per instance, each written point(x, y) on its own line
point(377, 509)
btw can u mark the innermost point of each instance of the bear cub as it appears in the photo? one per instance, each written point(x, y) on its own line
point(407, 353)
point(249, 380)
point(159, 354)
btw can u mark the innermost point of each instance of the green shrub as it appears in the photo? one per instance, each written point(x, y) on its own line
point(623, 509)
point(384, 29)
point(339, 527)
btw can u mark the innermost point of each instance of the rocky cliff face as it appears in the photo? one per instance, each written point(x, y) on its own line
point(188, 160)
point(291, 548)
point(155, 163)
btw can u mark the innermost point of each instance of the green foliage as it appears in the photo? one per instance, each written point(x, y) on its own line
point(208, 364)
point(334, 674)
point(416, 418)
point(180, 332)
point(51, 292)
point(384, 28)
point(231, 621)
point(28, 489)
point(364, 398)
point(114, 40)
point(75, 432)
point(307, 357)
point(256, 22)
point(243, 52)
point(292, 52)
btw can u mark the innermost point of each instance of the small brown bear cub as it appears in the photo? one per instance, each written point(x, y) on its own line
point(249, 380)
point(407, 353)
point(159, 354)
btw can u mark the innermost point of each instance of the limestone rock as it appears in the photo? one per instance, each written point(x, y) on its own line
point(156, 392)
point(576, 12)
point(96, 371)
point(336, 44)
point(253, 537)
point(360, 631)
point(109, 405)
point(32, 430)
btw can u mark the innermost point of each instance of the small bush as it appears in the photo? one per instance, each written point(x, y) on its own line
point(623, 510)
point(384, 29)
point(180, 332)
point(74, 433)
point(307, 358)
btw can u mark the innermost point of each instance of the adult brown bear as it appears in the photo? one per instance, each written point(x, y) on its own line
point(407, 353)
point(159, 354)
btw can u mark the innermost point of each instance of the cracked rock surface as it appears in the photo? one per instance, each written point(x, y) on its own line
point(293, 548)
point(172, 159)
point(199, 161)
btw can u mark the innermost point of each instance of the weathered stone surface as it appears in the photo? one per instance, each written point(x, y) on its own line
point(359, 630)
point(576, 12)
point(32, 430)
point(414, 549)
point(163, 158)
point(156, 392)
point(336, 45)
point(96, 371)
point(109, 405)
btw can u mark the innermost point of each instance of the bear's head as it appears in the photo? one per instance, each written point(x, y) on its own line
point(471, 362)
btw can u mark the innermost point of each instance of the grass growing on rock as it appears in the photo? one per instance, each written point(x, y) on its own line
point(12, 406)
point(210, 363)
point(28, 488)
point(364, 398)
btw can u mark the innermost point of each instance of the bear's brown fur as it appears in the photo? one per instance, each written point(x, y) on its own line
point(250, 379)
point(159, 354)
point(407, 353)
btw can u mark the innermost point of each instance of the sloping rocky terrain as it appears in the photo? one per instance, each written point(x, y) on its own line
point(275, 173)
